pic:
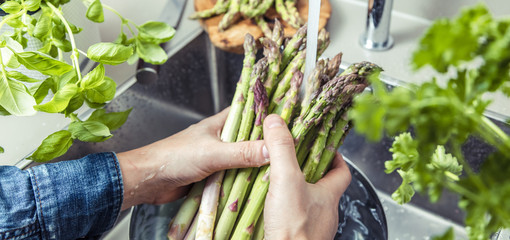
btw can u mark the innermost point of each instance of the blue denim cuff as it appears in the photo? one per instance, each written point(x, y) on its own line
point(78, 198)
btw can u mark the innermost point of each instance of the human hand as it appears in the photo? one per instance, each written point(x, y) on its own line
point(295, 209)
point(162, 171)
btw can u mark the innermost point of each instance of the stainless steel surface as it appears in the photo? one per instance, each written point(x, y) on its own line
point(360, 211)
point(377, 33)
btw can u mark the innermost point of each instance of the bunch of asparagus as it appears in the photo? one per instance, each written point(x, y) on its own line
point(229, 204)
point(233, 10)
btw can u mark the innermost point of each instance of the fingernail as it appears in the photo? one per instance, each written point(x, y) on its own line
point(265, 153)
point(274, 121)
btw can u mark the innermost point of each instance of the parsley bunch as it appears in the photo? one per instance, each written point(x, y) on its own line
point(70, 89)
point(472, 51)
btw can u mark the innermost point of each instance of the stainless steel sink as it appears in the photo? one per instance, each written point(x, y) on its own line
point(199, 80)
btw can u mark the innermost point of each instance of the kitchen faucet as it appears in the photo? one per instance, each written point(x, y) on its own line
point(377, 34)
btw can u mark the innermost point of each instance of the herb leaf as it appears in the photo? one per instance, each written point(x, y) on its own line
point(112, 120)
point(44, 64)
point(53, 146)
point(102, 93)
point(60, 101)
point(10, 7)
point(109, 53)
point(94, 78)
point(95, 12)
point(15, 98)
point(89, 131)
point(155, 32)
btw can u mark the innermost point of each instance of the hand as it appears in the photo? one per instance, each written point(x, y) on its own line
point(162, 171)
point(295, 209)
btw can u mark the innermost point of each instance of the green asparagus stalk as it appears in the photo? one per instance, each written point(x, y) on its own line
point(284, 84)
point(278, 34)
point(313, 83)
point(220, 7)
point(260, 9)
point(293, 45)
point(266, 30)
point(259, 73)
point(273, 55)
point(286, 108)
point(226, 187)
point(323, 41)
point(236, 198)
point(287, 16)
point(333, 66)
point(295, 19)
point(192, 231)
point(230, 16)
point(210, 199)
point(335, 139)
point(259, 229)
point(182, 221)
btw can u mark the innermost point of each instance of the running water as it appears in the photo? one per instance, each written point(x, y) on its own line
point(314, 9)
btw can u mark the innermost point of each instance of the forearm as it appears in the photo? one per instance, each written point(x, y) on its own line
point(64, 200)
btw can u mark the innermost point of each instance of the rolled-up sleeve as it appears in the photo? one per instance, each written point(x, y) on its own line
point(64, 200)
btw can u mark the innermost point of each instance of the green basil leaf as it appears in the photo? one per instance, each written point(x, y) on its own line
point(94, 78)
point(109, 53)
point(74, 29)
point(63, 44)
point(151, 52)
point(155, 32)
point(89, 131)
point(15, 22)
point(32, 5)
point(1, 149)
point(66, 78)
point(60, 100)
point(43, 26)
point(121, 39)
point(10, 7)
point(15, 98)
point(74, 104)
point(11, 61)
point(95, 12)
point(55, 145)
point(21, 77)
point(94, 105)
point(112, 120)
point(102, 93)
point(44, 64)
point(133, 59)
point(3, 112)
point(42, 90)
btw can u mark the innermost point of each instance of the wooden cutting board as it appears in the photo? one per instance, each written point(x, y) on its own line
point(232, 39)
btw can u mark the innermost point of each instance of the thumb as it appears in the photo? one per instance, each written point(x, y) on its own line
point(280, 145)
point(238, 155)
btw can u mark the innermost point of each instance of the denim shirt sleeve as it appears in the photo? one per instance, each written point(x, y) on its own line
point(64, 200)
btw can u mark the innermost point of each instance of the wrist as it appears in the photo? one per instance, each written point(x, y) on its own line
point(134, 170)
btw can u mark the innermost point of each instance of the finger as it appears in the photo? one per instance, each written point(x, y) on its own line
point(338, 178)
point(238, 155)
point(280, 145)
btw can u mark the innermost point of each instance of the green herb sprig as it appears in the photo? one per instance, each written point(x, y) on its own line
point(21, 95)
point(474, 46)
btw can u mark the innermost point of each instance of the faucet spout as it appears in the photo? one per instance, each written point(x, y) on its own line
point(377, 33)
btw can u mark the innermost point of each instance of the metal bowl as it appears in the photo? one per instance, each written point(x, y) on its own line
point(361, 214)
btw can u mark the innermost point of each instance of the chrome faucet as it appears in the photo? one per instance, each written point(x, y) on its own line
point(377, 34)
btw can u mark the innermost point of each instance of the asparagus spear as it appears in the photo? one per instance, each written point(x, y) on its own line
point(284, 83)
point(259, 229)
point(333, 66)
point(192, 231)
point(266, 30)
point(209, 204)
point(182, 221)
point(220, 7)
point(258, 10)
point(293, 45)
point(287, 16)
point(243, 178)
point(295, 19)
point(313, 83)
point(230, 16)
point(273, 55)
point(288, 103)
point(259, 72)
point(335, 139)
point(277, 35)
